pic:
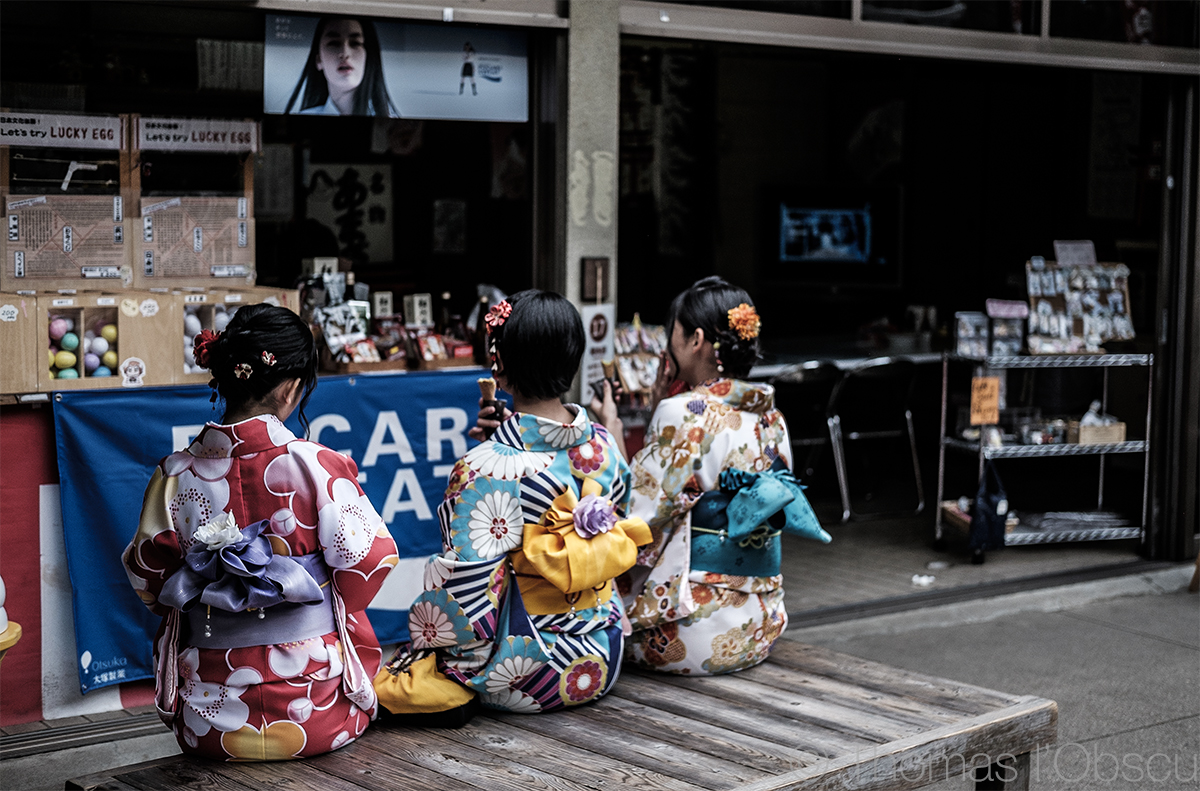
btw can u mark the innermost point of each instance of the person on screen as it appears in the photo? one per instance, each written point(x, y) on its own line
point(344, 72)
point(468, 69)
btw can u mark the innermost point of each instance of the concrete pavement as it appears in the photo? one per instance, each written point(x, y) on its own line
point(1121, 657)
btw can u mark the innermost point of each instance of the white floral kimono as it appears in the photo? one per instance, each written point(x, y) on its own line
point(707, 599)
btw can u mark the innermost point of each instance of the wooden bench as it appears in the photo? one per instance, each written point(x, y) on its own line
point(809, 718)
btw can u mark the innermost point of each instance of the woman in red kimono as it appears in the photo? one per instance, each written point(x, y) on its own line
point(261, 552)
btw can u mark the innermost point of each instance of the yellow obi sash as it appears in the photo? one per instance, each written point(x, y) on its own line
point(558, 569)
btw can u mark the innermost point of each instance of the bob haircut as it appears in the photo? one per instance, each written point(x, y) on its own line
point(370, 97)
point(256, 334)
point(540, 344)
point(706, 306)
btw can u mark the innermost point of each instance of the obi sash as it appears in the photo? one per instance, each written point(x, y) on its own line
point(243, 594)
point(736, 527)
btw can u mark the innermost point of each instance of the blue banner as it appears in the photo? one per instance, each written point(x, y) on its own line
point(404, 431)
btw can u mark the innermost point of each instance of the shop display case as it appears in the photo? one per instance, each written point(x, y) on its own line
point(64, 182)
point(90, 341)
point(1101, 441)
point(194, 178)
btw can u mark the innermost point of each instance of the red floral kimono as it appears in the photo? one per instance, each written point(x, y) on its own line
point(261, 552)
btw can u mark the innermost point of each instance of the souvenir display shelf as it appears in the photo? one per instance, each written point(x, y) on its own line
point(1081, 529)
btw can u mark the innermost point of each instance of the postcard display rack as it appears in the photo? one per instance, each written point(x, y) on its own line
point(1047, 528)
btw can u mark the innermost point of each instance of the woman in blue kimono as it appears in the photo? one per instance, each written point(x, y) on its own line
point(519, 608)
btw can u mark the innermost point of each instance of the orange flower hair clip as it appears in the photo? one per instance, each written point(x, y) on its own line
point(744, 321)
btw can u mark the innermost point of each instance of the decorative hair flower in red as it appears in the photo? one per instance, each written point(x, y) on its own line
point(201, 346)
point(744, 321)
point(498, 314)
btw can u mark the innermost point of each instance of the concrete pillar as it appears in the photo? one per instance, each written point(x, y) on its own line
point(590, 172)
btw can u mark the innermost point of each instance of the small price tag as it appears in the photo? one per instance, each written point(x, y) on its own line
point(985, 400)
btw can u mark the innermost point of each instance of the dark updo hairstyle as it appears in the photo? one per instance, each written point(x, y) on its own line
point(706, 306)
point(255, 332)
point(540, 344)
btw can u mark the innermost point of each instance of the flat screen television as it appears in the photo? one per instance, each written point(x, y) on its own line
point(831, 238)
point(346, 64)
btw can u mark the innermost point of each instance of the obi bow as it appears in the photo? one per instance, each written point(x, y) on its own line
point(749, 508)
point(580, 544)
point(240, 573)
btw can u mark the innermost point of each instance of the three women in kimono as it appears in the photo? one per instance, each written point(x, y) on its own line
point(261, 553)
point(519, 611)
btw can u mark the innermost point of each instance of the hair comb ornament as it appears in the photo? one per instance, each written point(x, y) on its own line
point(498, 314)
point(744, 321)
point(201, 346)
point(242, 370)
point(268, 359)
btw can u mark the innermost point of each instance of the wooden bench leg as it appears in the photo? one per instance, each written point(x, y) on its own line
point(1010, 774)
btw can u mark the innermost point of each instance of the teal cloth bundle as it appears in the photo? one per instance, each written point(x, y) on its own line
point(736, 528)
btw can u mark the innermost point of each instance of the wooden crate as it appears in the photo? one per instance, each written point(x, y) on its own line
point(56, 236)
point(190, 240)
point(144, 322)
point(1095, 435)
point(21, 351)
point(206, 304)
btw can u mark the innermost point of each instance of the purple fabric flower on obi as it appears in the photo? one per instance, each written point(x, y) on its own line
point(236, 570)
point(594, 515)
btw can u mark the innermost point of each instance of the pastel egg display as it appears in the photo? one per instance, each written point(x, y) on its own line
point(102, 371)
point(191, 324)
point(109, 332)
point(68, 373)
point(98, 346)
point(109, 361)
point(90, 363)
point(69, 341)
point(58, 327)
point(64, 360)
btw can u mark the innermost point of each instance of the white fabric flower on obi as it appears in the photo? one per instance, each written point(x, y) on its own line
point(220, 532)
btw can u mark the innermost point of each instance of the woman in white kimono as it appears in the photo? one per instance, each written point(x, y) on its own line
point(713, 482)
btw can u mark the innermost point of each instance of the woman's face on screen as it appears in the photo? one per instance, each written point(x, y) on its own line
point(342, 56)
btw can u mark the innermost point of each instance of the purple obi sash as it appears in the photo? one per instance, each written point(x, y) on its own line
point(286, 622)
point(241, 593)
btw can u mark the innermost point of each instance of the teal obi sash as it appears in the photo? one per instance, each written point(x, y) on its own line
point(736, 528)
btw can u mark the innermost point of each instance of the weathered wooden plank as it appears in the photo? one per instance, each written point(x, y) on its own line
point(193, 773)
point(742, 688)
point(93, 780)
point(509, 735)
point(621, 746)
point(736, 717)
point(700, 735)
point(96, 783)
point(900, 708)
point(348, 769)
point(442, 756)
point(930, 756)
point(890, 680)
